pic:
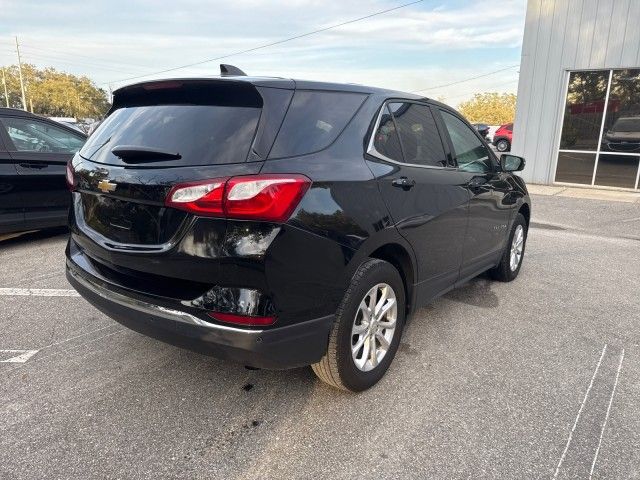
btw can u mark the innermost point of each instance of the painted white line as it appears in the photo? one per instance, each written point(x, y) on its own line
point(23, 355)
point(26, 355)
point(584, 400)
point(606, 418)
point(39, 292)
point(111, 324)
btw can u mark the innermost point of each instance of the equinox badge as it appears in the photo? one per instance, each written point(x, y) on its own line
point(106, 186)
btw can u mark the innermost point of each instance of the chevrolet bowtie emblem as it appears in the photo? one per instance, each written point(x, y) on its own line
point(106, 186)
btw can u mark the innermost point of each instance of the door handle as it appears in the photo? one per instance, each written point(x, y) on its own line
point(36, 166)
point(403, 183)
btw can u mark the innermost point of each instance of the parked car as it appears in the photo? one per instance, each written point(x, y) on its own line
point(282, 223)
point(482, 128)
point(34, 152)
point(502, 137)
point(624, 135)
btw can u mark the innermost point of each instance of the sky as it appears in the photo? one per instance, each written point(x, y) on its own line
point(416, 48)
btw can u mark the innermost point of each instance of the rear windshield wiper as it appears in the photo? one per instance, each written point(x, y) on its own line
point(135, 154)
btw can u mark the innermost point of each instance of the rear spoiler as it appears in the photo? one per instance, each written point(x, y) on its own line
point(215, 91)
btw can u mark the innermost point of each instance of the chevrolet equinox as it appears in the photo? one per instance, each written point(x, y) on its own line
point(283, 223)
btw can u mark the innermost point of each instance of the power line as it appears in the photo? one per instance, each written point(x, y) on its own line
point(466, 79)
point(249, 50)
point(68, 61)
point(77, 55)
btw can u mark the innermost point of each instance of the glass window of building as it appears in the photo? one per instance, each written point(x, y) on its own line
point(600, 139)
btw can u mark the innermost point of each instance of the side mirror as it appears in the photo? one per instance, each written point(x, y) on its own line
point(511, 163)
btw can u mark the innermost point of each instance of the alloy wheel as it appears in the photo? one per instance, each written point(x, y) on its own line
point(517, 246)
point(373, 327)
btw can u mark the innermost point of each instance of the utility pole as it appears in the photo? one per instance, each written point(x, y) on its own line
point(4, 83)
point(24, 97)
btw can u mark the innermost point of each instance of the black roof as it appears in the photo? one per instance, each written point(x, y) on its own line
point(16, 112)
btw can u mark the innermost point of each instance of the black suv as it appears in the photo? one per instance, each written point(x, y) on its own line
point(284, 223)
point(34, 152)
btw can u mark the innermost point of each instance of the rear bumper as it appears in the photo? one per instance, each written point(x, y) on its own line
point(290, 346)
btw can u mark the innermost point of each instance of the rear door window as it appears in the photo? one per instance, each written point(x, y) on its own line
point(201, 134)
point(314, 120)
point(419, 135)
point(31, 135)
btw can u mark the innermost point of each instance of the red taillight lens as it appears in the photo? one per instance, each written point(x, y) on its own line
point(71, 181)
point(264, 197)
point(255, 197)
point(203, 198)
point(242, 319)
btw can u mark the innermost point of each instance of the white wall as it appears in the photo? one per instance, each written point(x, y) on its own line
point(563, 35)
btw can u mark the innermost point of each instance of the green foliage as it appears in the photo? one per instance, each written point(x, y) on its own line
point(490, 108)
point(54, 93)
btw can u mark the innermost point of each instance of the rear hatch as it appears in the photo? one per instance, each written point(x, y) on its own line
point(162, 133)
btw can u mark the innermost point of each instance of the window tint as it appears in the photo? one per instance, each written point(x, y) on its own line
point(419, 136)
point(386, 140)
point(201, 134)
point(314, 120)
point(30, 135)
point(471, 153)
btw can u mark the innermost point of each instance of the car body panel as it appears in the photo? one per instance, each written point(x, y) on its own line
point(297, 270)
point(36, 179)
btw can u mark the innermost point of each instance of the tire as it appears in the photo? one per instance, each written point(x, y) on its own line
point(504, 272)
point(503, 145)
point(338, 367)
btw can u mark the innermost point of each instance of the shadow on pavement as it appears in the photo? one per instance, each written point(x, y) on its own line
point(12, 239)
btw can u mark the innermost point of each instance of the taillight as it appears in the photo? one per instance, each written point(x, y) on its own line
point(264, 197)
point(204, 198)
point(71, 181)
point(245, 320)
point(256, 197)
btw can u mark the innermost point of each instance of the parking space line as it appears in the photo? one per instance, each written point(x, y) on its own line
point(67, 351)
point(27, 354)
point(606, 418)
point(21, 357)
point(39, 292)
point(575, 423)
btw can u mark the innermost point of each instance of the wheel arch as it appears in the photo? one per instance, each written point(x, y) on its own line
point(398, 256)
point(525, 210)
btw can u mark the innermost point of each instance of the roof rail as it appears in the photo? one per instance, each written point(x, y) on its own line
point(230, 71)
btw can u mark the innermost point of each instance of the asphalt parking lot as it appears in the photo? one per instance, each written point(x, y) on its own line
point(532, 379)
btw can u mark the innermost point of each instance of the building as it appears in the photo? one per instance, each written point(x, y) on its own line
point(578, 110)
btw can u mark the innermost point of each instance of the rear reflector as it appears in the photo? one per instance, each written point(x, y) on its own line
point(242, 319)
point(253, 197)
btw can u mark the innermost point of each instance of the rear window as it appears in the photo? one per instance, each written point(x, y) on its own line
point(314, 120)
point(201, 134)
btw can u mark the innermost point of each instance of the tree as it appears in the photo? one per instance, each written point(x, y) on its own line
point(55, 93)
point(491, 108)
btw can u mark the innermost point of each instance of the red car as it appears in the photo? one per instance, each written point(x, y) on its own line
point(502, 137)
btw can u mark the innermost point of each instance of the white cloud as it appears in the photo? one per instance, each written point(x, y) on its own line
point(113, 40)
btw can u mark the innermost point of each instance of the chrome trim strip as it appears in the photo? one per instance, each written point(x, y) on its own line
point(157, 310)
